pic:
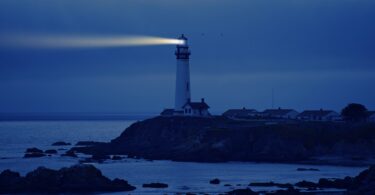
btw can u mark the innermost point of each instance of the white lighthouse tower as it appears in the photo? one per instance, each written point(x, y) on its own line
point(183, 105)
point(182, 95)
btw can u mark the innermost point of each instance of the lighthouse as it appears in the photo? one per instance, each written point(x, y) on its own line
point(183, 105)
point(183, 90)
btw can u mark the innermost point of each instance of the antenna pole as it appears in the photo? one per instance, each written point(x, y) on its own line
point(272, 98)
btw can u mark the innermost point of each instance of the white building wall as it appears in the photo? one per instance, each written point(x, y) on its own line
point(182, 83)
point(188, 111)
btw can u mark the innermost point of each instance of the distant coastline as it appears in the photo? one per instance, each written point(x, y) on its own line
point(63, 116)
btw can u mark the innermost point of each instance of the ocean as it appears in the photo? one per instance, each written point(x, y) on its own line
point(17, 135)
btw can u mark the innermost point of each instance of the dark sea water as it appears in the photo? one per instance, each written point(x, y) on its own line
point(17, 135)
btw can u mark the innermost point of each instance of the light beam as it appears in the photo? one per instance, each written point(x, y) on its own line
point(61, 41)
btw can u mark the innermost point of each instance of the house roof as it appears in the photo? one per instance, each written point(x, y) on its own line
point(317, 113)
point(197, 105)
point(239, 112)
point(278, 111)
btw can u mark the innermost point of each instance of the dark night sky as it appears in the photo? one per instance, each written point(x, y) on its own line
point(314, 54)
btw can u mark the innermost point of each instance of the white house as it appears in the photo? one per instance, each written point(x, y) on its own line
point(240, 113)
point(196, 109)
point(280, 113)
point(319, 115)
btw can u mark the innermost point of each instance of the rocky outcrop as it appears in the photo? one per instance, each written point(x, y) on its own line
point(307, 169)
point(61, 143)
point(33, 153)
point(36, 153)
point(10, 181)
point(51, 151)
point(220, 139)
point(246, 191)
point(115, 157)
point(33, 150)
point(155, 185)
point(215, 181)
point(78, 178)
point(306, 184)
point(289, 191)
point(88, 143)
point(96, 158)
point(364, 183)
point(271, 184)
point(70, 153)
point(335, 183)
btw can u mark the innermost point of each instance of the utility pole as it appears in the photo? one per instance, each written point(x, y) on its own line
point(272, 98)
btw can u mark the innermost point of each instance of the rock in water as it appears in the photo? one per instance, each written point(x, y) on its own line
point(115, 157)
point(335, 183)
point(88, 143)
point(306, 184)
point(271, 184)
point(289, 191)
point(34, 155)
point(307, 169)
point(155, 185)
point(78, 178)
point(364, 183)
point(61, 143)
point(51, 151)
point(215, 181)
point(33, 150)
point(70, 153)
point(9, 181)
point(100, 157)
point(246, 191)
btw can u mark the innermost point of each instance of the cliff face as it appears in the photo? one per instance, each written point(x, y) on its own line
point(220, 139)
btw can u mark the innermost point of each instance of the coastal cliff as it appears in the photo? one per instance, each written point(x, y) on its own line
point(220, 139)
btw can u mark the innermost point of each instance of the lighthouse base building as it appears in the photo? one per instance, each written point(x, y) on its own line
point(183, 104)
point(196, 109)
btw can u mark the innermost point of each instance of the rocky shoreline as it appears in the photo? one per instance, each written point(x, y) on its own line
point(220, 139)
point(364, 183)
point(79, 178)
point(214, 139)
point(88, 179)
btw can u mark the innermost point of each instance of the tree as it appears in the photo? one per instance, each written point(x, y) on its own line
point(354, 112)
